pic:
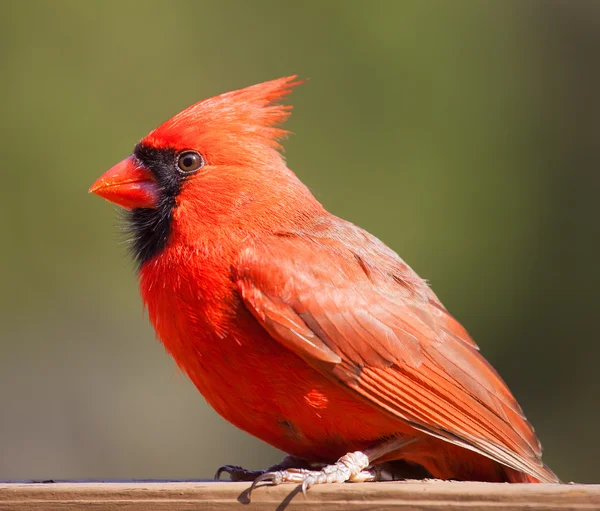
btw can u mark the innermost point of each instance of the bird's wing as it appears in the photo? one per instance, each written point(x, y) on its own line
point(351, 308)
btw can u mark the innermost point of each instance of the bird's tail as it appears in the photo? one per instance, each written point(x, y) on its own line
point(521, 477)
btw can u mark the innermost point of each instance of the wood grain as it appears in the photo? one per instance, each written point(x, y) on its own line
point(406, 495)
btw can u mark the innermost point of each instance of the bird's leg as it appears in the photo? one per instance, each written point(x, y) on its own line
point(237, 473)
point(354, 467)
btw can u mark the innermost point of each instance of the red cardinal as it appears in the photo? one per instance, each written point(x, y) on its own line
point(298, 327)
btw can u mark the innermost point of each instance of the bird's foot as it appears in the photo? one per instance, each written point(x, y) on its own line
point(237, 473)
point(350, 467)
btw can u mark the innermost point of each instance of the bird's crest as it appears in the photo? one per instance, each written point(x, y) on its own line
point(251, 115)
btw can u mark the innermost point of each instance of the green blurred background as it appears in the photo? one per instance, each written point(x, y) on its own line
point(464, 134)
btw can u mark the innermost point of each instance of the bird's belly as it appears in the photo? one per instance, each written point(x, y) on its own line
point(252, 380)
point(283, 401)
point(266, 390)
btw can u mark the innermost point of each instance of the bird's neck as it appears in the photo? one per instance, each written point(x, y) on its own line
point(229, 208)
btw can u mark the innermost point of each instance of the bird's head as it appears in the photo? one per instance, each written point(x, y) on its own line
point(204, 167)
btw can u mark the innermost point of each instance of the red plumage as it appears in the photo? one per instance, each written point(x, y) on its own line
point(296, 326)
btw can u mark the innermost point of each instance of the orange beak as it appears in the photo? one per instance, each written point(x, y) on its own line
point(129, 185)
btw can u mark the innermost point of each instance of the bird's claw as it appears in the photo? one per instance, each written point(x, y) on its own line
point(348, 468)
point(237, 473)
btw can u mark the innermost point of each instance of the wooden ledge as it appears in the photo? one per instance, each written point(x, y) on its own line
point(413, 495)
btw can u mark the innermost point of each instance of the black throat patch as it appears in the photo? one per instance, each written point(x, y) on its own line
point(150, 228)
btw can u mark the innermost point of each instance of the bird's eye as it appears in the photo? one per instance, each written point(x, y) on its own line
point(189, 161)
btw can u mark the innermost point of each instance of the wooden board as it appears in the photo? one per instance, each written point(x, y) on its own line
point(405, 495)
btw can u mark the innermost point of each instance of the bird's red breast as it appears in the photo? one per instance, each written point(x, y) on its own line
point(296, 326)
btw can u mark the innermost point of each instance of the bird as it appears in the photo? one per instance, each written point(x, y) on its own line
point(297, 326)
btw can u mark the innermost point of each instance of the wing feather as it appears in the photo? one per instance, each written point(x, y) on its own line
point(354, 310)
